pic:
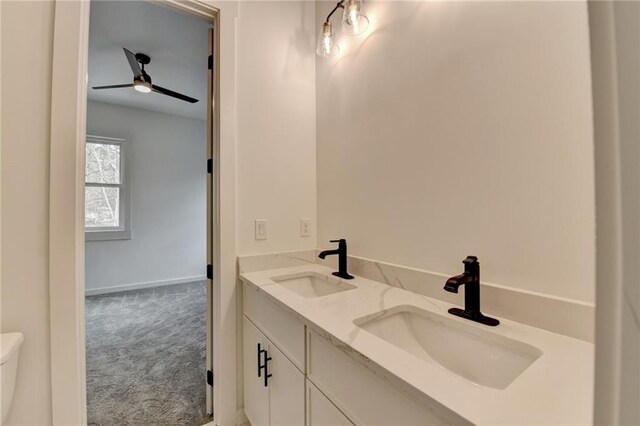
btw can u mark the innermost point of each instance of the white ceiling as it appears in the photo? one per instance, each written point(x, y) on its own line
point(177, 44)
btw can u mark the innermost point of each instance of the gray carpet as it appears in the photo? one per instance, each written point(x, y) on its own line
point(146, 357)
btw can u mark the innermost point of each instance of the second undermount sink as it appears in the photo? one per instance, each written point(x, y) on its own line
point(312, 284)
point(480, 356)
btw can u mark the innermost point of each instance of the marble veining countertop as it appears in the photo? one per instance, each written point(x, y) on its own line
point(557, 389)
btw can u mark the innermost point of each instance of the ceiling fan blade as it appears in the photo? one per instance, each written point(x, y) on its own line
point(133, 62)
point(113, 86)
point(173, 94)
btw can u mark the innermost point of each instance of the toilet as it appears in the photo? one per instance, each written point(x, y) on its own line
point(9, 353)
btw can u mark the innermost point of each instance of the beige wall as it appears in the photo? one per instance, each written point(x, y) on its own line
point(276, 124)
point(27, 40)
point(458, 128)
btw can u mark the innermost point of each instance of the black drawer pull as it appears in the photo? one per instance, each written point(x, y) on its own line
point(266, 369)
point(260, 366)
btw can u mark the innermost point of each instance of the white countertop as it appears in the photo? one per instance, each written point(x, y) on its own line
point(557, 389)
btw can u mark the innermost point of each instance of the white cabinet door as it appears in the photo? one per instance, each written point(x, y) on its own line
point(286, 390)
point(256, 394)
point(321, 411)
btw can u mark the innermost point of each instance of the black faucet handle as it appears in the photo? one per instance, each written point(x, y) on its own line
point(340, 241)
point(471, 265)
point(470, 260)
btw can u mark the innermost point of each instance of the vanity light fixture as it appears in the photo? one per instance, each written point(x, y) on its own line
point(354, 22)
point(327, 46)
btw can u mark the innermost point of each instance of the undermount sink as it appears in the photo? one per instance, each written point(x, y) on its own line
point(312, 284)
point(478, 355)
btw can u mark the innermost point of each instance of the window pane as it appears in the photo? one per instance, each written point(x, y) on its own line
point(103, 163)
point(101, 206)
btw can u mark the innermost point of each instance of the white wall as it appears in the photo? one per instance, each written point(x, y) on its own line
point(27, 30)
point(458, 128)
point(276, 134)
point(276, 124)
point(166, 164)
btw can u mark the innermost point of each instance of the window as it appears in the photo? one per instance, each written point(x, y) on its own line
point(106, 192)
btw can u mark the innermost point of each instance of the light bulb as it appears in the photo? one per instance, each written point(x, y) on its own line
point(327, 46)
point(142, 87)
point(354, 20)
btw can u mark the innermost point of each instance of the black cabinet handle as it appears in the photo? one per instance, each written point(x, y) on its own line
point(260, 366)
point(267, 358)
point(266, 369)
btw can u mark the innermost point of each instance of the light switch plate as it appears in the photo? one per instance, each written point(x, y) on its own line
point(305, 227)
point(261, 229)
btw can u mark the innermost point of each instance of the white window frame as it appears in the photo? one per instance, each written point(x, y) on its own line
point(122, 232)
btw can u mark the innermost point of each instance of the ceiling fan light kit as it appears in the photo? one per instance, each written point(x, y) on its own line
point(142, 87)
point(142, 81)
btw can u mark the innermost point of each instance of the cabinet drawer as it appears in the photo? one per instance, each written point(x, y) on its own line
point(282, 328)
point(361, 394)
point(321, 412)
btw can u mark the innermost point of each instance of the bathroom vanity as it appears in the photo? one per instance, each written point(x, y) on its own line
point(320, 350)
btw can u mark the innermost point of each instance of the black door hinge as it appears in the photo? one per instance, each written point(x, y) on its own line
point(210, 377)
point(210, 165)
point(210, 272)
point(210, 62)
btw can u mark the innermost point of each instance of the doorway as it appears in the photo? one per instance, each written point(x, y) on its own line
point(149, 214)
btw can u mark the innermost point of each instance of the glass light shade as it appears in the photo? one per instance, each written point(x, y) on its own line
point(354, 20)
point(142, 87)
point(327, 46)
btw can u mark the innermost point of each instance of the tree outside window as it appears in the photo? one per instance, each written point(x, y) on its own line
point(105, 190)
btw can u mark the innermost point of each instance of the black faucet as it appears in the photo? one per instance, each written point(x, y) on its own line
point(471, 280)
point(341, 251)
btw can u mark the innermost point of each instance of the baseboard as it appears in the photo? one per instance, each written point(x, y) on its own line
point(138, 286)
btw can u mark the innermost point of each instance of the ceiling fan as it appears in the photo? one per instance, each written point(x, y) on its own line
point(142, 80)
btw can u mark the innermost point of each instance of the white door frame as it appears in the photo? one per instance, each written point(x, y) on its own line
point(609, 278)
point(66, 235)
point(616, 217)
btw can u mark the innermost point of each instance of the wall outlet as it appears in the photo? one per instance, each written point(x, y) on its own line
point(305, 227)
point(261, 229)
